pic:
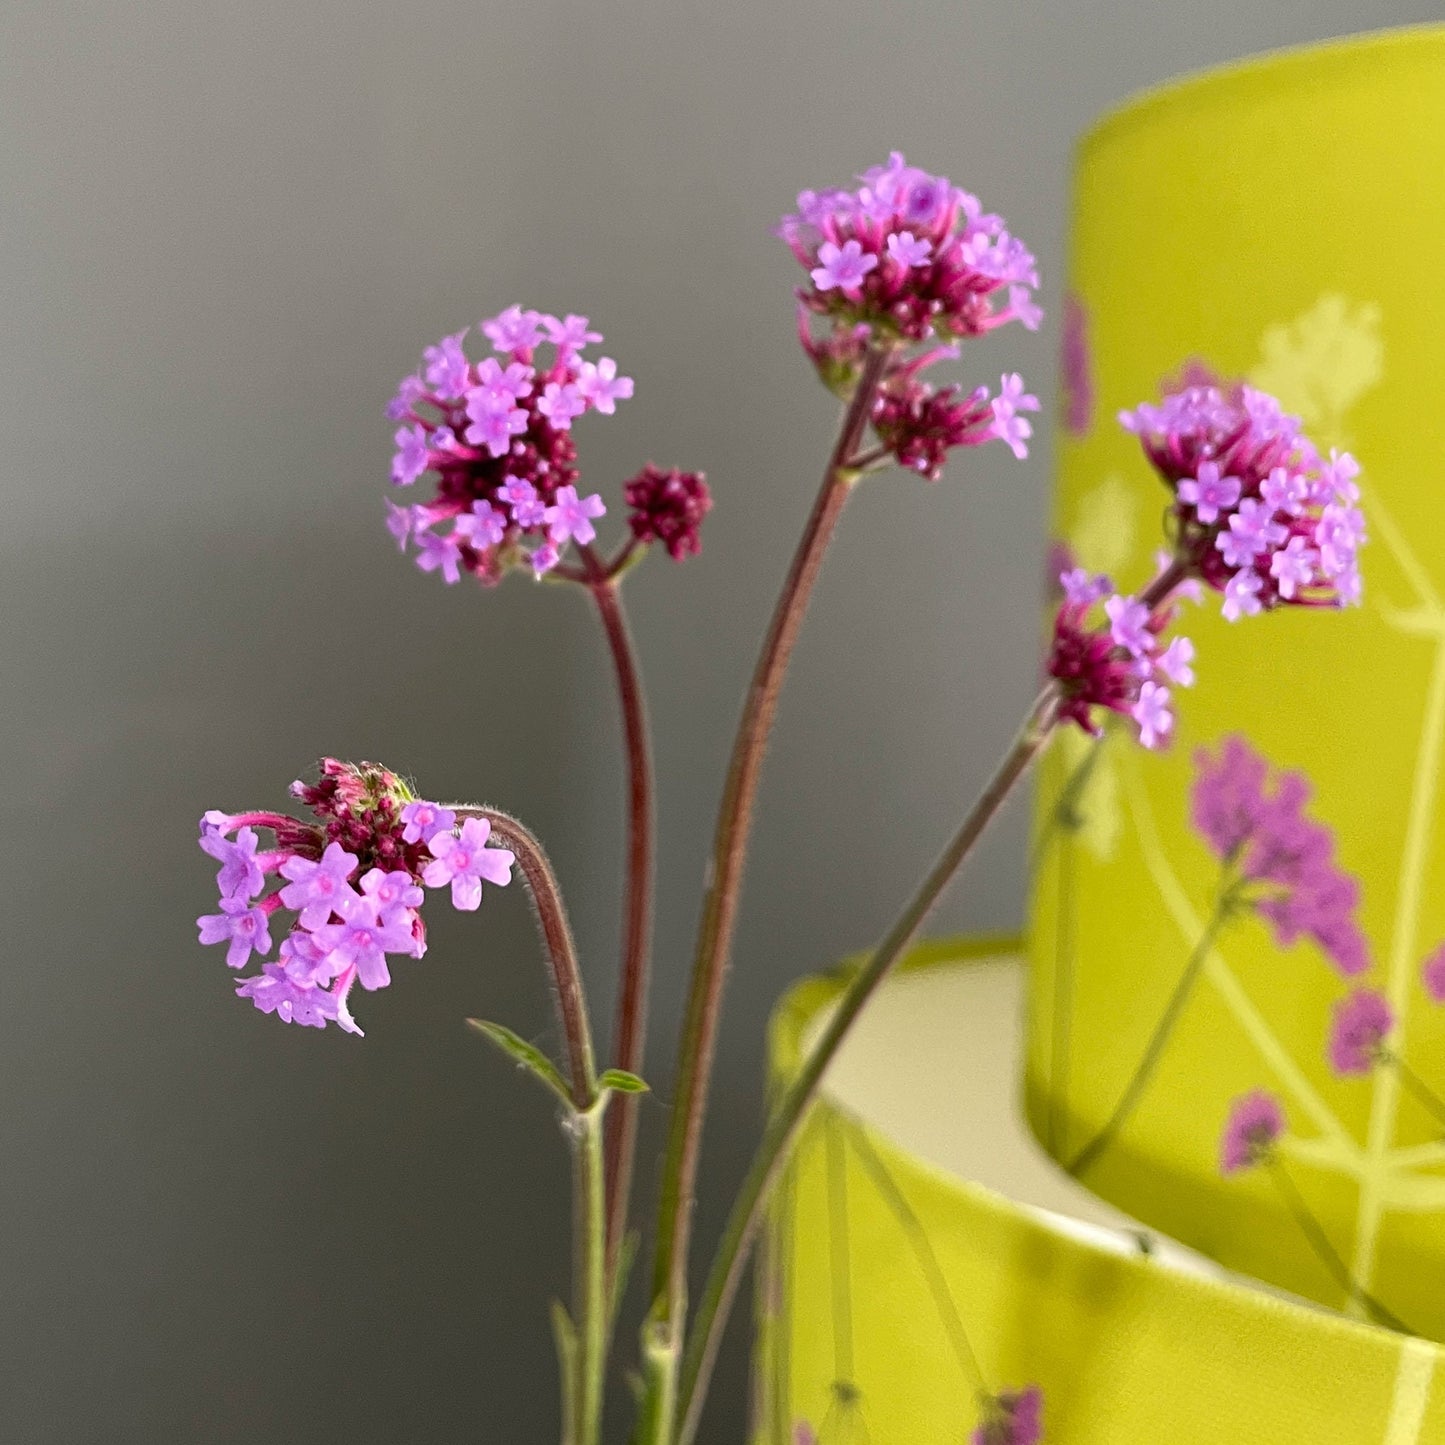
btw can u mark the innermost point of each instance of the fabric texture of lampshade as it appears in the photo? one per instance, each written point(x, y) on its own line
point(1280, 222)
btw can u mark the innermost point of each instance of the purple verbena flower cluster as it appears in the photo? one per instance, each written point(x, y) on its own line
point(1012, 1417)
point(1255, 1122)
point(905, 259)
point(1258, 824)
point(497, 434)
point(1118, 663)
point(1258, 514)
point(911, 255)
point(353, 880)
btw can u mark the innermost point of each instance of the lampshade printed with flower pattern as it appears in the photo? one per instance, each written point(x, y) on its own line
point(1235, 962)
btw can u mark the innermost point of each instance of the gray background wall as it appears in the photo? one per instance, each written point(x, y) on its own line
point(226, 231)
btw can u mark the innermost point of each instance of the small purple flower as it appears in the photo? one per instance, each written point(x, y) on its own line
point(410, 391)
point(909, 250)
point(1008, 425)
point(1209, 493)
point(398, 523)
point(391, 891)
point(274, 991)
point(362, 941)
point(305, 963)
point(571, 335)
point(465, 861)
point(570, 517)
point(494, 421)
point(601, 386)
point(425, 820)
point(412, 455)
point(240, 925)
point(842, 267)
point(504, 385)
point(1287, 491)
point(561, 403)
point(1241, 596)
point(1129, 625)
point(1255, 1122)
point(544, 559)
point(241, 875)
point(318, 887)
point(447, 372)
point(1175, 662)
point(1152, 713)
point(1358, 1032)
point(440, 550)
point(1082, 588)
point(513, 330)
point(483, 526)
point(1294, 567)
point(527, 508)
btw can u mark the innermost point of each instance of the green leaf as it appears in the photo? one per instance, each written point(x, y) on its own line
point(564, 1332)
point(622, 1082)
point(528, 1056)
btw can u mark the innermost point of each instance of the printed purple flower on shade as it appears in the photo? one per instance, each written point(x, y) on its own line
point(1076, 368)
point(1432, 974)
point(1258, 514)
point(1254, 821)
point(1118, 663)
point(1255, 1123)
point(352, 878)
point(497, 435)
point(465, 860)
point(1012, 1417)
point(1358, 1031)
point(668, 507)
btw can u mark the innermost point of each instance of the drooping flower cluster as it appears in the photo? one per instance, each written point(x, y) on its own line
point(1255, 1122)
point(668, 507)
point(907, 258)
point(353, 880)
point(1012, 1417)
point(1286, 859)
point(1257, 514)
point(497, 435)
point(1358, 1031)
point(911, 255)
point(1119, 663)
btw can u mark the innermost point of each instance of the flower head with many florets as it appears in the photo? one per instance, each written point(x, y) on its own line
point(497, 436)
point(907, 260)
point(1258, 514)
point(353, 879)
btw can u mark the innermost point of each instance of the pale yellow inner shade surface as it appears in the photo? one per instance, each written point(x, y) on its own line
point(934, 1064)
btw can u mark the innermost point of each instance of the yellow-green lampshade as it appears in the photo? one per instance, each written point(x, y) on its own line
point(894, 1259)
point(1281, 222)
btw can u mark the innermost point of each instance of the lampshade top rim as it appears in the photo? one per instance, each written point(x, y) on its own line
point(1268, 68)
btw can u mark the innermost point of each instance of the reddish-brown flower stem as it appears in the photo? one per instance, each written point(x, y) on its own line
point(791, 1110)
point(630, 1031)
point(699, 1032)
point(561, 951)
